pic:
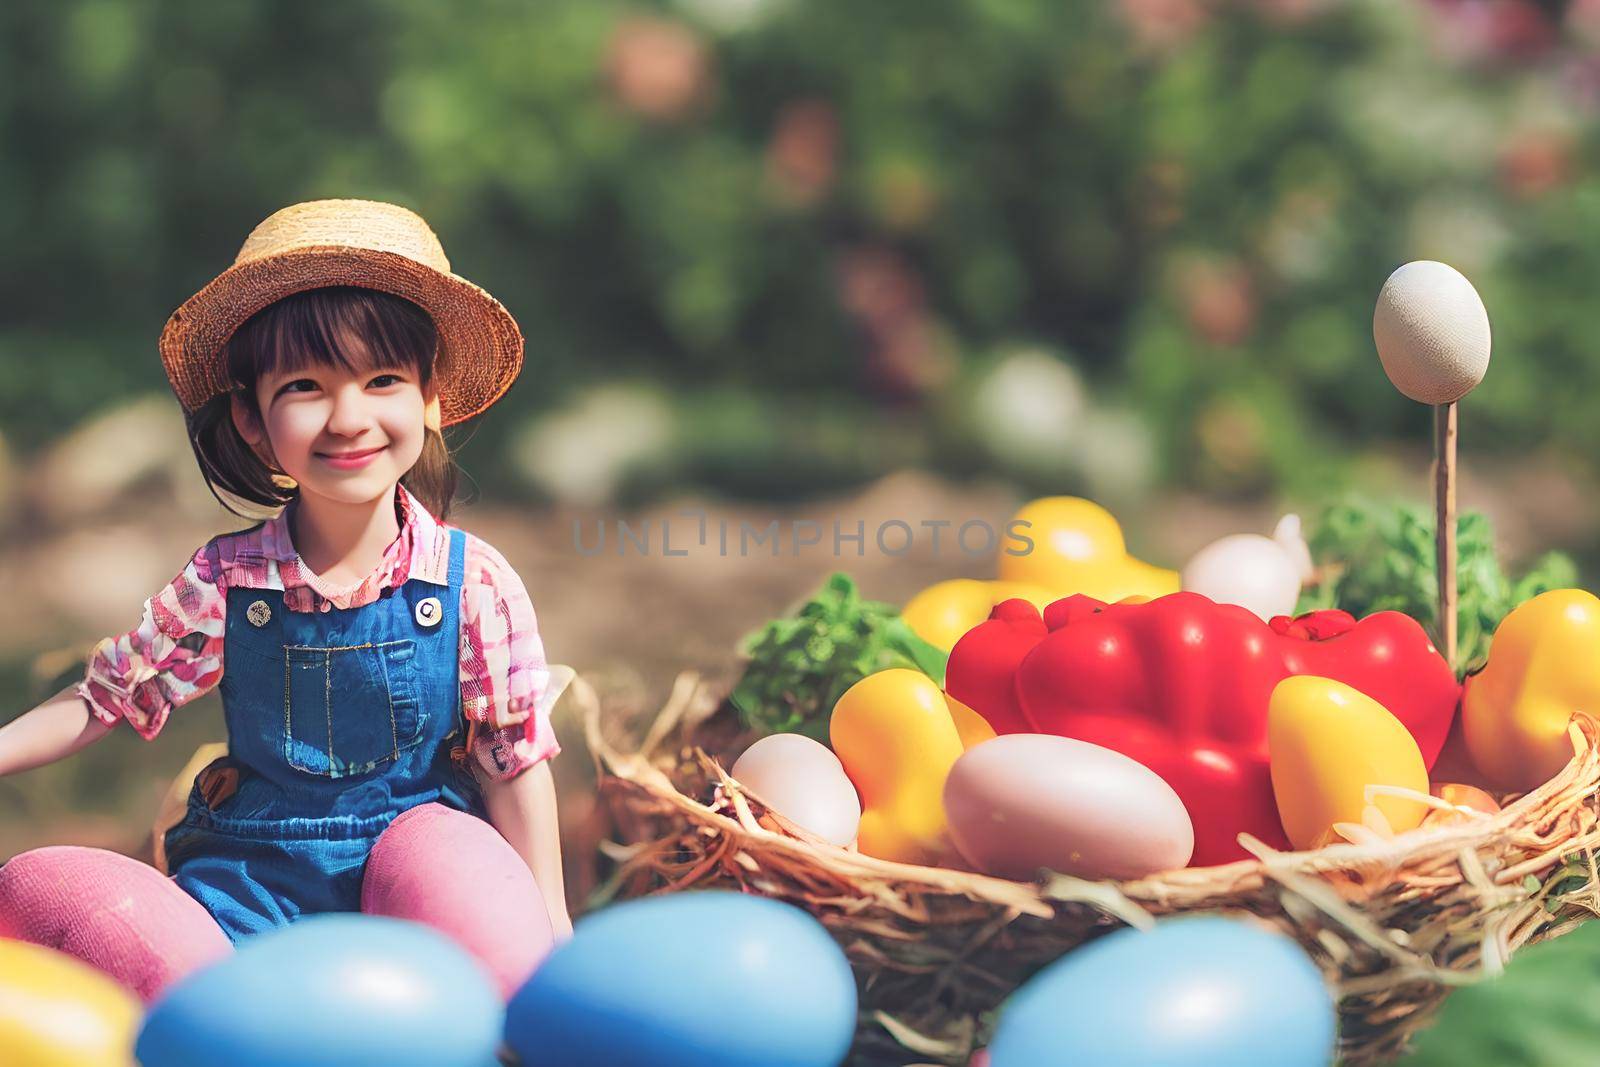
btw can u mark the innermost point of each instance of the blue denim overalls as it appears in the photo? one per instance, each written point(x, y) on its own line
point(338, 721)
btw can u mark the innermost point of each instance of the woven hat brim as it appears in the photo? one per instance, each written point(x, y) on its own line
point(480, 346)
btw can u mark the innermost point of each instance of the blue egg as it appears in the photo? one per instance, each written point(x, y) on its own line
point(689, 980)
point(331, 991)
point(1195, 992)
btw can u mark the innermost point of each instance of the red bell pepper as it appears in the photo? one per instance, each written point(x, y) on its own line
point(1181, 684)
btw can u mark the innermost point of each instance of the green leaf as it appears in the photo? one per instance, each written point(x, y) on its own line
point(929, 659)
point(800, 666)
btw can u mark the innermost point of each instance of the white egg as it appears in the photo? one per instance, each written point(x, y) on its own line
point(1432, 332)
point(1252, 571)
point(804, 782)
point(1022, 802)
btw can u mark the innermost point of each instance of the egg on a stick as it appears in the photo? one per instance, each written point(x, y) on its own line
point(1432, 334)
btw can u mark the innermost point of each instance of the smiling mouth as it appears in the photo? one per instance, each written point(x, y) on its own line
point(352, 455)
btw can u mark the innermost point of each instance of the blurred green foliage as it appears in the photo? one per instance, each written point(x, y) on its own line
point(1539, 1013)
point(833, 206)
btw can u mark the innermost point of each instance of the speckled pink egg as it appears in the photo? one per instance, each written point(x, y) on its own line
point(1023, 802)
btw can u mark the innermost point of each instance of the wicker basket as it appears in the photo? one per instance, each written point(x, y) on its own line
point(1393, 923)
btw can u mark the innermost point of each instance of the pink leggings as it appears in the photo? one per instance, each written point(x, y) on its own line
point(434, 865)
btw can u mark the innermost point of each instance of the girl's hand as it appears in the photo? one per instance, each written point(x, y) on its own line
point(52, 731)
point(560, 921)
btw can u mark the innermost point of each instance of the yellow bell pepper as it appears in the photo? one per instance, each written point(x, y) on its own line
point(897, 739)
point(58, 1012)
point(973, 728)
point(1078, 548)
point(942, 613)
point(1327, 743)
point(1544, 664)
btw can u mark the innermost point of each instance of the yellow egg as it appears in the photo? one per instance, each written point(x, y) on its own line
point(58, 1012)
point(1328, 742)
point(897, 739)
point(942, 613)
point(1460, 796)
point(1077, 547)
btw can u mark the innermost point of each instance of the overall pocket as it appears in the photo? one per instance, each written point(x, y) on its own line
point(350, 708)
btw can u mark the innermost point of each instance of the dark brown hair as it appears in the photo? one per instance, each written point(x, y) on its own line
point(358, 330)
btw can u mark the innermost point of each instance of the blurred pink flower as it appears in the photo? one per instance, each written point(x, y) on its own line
point(1579, 76)
point(803, 154)
point(907, 353)
point(1219, 300)
point(877, 287)
point(1289, 12)
point(1164, 24)
point(657, 68)
point(1583, 19)
point(910, 360)
point(1477, 30)
point(1535, 162)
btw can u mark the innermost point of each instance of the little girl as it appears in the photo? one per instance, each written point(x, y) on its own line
point(382, 677)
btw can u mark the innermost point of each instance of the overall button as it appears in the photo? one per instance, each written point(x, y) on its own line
point(429, 612)
point(258, 613)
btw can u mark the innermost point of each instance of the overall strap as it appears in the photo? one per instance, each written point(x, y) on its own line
point(462, 750)
point(458, 558)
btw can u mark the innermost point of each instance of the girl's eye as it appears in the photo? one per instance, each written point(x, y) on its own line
point(294, 386)
point(383, 380)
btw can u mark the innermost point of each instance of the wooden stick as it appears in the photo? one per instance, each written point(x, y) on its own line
point(1444, 481)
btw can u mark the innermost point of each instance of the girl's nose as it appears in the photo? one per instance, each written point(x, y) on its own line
point(349, 415)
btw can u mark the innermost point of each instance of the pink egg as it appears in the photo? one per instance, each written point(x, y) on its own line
point(804, 782)
point(1023, 802)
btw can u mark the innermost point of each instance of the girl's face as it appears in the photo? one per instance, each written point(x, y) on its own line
point(343, 435)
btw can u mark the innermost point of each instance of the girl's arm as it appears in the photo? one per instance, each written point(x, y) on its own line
point(523, 809)
point(172, 657)
point(52, 731)
point(140, 675)
point(508, 687)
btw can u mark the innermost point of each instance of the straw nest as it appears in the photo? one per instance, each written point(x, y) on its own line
point(1393, 923)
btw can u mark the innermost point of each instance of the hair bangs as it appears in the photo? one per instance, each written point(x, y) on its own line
point(356, 330)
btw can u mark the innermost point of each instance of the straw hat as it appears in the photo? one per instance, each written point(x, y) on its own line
point(348, 242)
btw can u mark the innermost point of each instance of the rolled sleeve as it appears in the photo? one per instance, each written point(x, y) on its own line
point(173, 656)
point(505, 679)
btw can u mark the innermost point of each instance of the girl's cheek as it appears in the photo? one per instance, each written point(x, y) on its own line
point(300, 422)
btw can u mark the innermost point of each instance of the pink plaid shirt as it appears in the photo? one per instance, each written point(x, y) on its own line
point(175, 653)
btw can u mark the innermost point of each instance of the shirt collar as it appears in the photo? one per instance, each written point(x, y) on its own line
point(427, 541)
point(430, 541)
